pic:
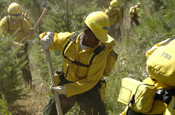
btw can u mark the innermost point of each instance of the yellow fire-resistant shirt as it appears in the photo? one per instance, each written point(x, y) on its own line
point(115, 16)
point(9, 28)
point(133, 12)
point(83, 78)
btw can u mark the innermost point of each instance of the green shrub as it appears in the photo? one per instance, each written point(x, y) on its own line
point(10, 79)
point(4, 106)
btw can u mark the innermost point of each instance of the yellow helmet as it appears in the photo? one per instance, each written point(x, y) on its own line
point(99, 23)
point(138, 4)
point(114, 4)
point(14, 10)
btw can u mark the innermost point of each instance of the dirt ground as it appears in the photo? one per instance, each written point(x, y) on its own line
point(34, 103)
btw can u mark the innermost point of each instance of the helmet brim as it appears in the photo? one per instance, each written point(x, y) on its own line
point(16, 17)
point(101, 37)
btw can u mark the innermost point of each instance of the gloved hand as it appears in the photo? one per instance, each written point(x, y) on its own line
point(20, 45)
point(117, 25)
point(58, 89)
point(47, 41)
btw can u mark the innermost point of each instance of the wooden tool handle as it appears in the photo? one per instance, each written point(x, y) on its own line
point(56, 95)
point(36, 25)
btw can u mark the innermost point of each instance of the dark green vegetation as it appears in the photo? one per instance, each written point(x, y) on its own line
point(157, 24)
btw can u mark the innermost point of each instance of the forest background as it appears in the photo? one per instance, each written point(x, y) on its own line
point(157, 24)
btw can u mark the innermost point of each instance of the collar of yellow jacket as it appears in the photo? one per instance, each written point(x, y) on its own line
point(74, 48)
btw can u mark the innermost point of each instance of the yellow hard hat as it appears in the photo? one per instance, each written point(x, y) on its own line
point(14, 10)
point(138, 4)
point(114, 4)
point(99, 23)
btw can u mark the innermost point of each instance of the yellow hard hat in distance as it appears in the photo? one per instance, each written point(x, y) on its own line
point(14, 10)
point(114, 4)
point(138, 4)
point(99, 24)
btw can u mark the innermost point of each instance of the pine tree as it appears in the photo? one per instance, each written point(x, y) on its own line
point(3, 7)
point(10, 79)
point(4, 106)
point(70, 16)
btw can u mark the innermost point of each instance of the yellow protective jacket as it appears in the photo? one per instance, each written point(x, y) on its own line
point(115, 16)
point(7, 27)
point(133, 13)
point(83, 78)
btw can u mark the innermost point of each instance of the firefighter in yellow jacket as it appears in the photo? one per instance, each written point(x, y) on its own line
point(79, 83)
point(11, 23)
point(133, 13)
point(115, 18)
point(165, 96)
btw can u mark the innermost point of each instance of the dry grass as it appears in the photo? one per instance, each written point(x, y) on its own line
point(34, 103)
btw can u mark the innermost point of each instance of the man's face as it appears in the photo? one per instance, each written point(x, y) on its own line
point(112, 8)
point(13, 19)
point(90, 39)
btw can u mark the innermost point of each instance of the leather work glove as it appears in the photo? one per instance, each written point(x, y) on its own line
point(47, 41)
point(58, 89)
point(117, 25)
point(20, 45)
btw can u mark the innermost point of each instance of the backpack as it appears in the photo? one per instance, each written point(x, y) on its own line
point(137, 95)
point(106, 47)
point(104, 9)
point(143, 98)
point(160, 64)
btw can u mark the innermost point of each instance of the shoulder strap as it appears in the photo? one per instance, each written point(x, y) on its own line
point(71, 38)
point(7, 18)
point(168, 41)
point(114, 14)
point(96, 51)
point(21, 23)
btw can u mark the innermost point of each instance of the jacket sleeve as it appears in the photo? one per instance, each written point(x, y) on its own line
point(59, 39)
point(94, 74)
point(26, 27)
point(4, 27)
point(119, 16)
